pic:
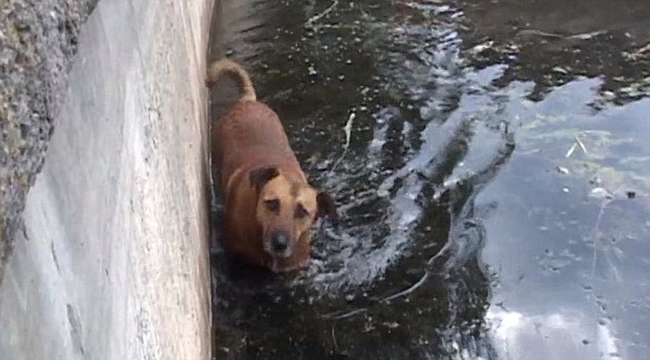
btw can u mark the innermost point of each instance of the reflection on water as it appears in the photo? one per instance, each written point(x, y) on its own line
point(494, 203)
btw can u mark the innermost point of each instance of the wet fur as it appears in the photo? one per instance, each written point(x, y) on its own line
point(253, 161)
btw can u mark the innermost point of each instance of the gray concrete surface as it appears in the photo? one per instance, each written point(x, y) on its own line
point(113, 259)
point(38, 39)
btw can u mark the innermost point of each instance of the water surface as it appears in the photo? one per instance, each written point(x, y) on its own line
point(492, 168)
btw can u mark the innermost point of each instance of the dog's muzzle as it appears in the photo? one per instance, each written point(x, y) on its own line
point(278, 244)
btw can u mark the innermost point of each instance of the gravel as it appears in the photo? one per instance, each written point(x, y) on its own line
point(38, 39)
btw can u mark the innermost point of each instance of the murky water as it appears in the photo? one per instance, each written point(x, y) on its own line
point(492, 168)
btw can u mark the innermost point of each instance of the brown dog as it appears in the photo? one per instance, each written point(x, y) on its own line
point(269, 205)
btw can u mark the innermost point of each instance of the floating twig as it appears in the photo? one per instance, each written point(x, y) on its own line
point(343, 315)
point(576, 142)
point(317, 17)
point(336, 345)
point(348, 131)
point(586, 36)
point(409, 290)
point(582, 146)
point(348, 135)
point(571, 149)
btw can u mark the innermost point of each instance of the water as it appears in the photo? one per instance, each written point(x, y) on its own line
point(493, 184)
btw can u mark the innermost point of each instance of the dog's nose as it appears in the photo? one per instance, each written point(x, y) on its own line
point(279, 242)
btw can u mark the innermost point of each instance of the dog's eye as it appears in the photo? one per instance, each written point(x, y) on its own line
point(300, 212)
point(272, 204)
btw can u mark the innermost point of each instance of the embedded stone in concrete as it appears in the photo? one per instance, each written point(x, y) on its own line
point(38, 39)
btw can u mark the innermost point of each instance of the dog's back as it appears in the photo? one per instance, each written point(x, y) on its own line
point(250, 132)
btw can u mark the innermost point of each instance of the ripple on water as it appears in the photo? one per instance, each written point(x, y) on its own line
point(429, 129)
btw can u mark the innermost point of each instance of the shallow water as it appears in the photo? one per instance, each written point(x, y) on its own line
point(491, 167)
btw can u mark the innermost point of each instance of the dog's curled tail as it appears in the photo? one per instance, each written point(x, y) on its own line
point(237, 73)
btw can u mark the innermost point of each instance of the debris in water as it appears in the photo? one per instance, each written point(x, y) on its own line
point(407, 291)
point(314, 157)
point(482, 47)
point(391, 325)
point(348, 131)
point(322, 165)
point(562, 170)
point(560, 70)
point(317, 17)
point(601, 193)
point(595, 181)
point(571, 149)
point(382, 193)
point(577, 142)
point(348, 134)
point(534, 32)
point(586, 36)
point(638, 53)
point(582, 146)
point(334, 339)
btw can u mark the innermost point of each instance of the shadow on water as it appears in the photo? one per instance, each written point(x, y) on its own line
point(444, 139)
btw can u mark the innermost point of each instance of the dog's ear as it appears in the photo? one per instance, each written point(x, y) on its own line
point(326, 206)
point(260, 176)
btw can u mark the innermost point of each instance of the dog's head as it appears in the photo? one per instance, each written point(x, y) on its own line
point(286, 210)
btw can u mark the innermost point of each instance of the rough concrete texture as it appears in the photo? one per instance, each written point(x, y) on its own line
point(37, 41)
point(113, 261)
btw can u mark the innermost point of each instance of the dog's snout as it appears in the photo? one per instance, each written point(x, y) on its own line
point(279, 242)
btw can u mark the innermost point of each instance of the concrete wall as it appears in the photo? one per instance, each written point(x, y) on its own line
point(38, 39)
point(113, 262)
